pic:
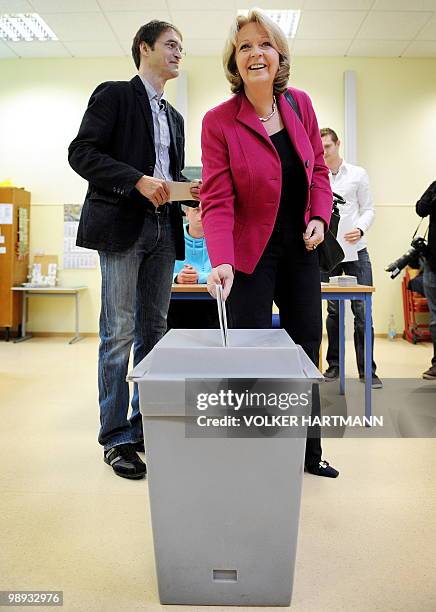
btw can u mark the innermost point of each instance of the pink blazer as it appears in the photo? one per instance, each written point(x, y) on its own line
point(242, 177)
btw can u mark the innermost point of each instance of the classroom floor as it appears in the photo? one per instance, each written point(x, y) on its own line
point(366, 540)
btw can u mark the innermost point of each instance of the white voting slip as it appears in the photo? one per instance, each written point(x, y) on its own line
point(179, 190)
point(222, 314)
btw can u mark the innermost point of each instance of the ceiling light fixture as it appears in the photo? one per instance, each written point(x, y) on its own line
point(20, 27)
point(286, 20)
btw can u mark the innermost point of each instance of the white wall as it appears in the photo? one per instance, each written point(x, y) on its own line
point(42, 102)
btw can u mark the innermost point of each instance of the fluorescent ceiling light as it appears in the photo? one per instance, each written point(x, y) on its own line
point(20, 27)
point(286, 20)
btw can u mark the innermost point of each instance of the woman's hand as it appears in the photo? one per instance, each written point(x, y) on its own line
point(195, 189)
point(314, 234)
point(221, 275)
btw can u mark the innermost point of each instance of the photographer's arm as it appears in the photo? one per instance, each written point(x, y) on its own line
point(427, 203)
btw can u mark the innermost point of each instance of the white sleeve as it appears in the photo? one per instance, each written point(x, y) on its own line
point(365, 202)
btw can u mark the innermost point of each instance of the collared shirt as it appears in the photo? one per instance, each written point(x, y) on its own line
point(162, 139)
point(352, 183)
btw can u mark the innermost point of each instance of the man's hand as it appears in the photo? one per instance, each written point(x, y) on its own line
point(221, 275)
point(353, 236)
point(195, 189)
point(314, 234)
point(187, 276)
point(154, 189)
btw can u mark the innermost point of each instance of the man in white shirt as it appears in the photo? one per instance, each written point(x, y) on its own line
point(352, 183)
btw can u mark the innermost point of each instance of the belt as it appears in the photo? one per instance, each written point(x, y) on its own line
point(162, 210)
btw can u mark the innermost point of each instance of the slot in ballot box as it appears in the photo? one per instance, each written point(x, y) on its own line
point(224, 501)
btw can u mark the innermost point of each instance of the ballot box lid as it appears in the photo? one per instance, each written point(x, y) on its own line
point(251, 353)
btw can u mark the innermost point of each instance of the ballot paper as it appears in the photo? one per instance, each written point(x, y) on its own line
point(179, 190)
point(346, 280)
point(222, 314)
point(346, 224)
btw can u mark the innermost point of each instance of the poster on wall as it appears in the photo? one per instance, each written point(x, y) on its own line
point(75, 258)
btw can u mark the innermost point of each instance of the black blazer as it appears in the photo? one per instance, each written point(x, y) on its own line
point(113, 149)
point(426, 205)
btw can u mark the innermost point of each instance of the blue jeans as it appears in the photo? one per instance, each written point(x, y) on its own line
point(363, 271)
point(430, 294)
point(135, 294)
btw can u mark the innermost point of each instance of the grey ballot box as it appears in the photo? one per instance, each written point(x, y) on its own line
point(224, 509)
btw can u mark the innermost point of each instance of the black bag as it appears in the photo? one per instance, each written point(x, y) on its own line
point(330, 253)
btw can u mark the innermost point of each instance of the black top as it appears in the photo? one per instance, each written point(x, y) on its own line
point(294, 184)
point(426, 205)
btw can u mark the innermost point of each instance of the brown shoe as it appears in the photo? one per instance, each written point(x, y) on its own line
point(430, 374)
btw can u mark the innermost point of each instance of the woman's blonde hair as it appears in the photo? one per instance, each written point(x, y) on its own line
point(277, 38)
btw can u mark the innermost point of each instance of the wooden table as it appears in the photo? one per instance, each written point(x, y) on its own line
point(328, 292)
point(29, 292)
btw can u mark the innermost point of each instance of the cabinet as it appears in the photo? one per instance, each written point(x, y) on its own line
point(14, 252)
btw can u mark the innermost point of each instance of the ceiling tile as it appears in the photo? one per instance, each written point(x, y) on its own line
point(428, 32)
point(193, 46)
point(15, 6)
point(206, 46)
point(145, 6)
point(126, 45)
point(321, 47)
point(5, 52)
point(95, 49)
point(338, 5)
point(202, 5)
point(268, 4)
point(65, 6)
point(79, 26)
point(404, 5)
point(329, 24)
point(50, 48)
point(421, 48)
point(392, 26)
point(125, 25)
point(193, 24)
point(377, 48)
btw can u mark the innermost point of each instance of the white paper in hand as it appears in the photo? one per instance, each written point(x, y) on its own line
point(179, 191)
point(222, 315)
point(346, 224)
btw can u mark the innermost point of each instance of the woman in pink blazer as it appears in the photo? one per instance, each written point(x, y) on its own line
point(266, 196)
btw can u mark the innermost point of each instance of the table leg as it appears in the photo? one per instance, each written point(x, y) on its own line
point(24, 307)
point(341, 347)
point(368, 354)
point(77, 337)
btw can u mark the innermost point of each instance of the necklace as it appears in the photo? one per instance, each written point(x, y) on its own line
point(274, 108)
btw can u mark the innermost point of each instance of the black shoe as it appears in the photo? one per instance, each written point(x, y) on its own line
point(323, 468)
point(376, 383)
point(139, 446)
point(125, 462)
point(430, 374)
point(332, 373)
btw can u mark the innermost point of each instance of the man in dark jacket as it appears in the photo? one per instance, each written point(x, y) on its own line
point(427, 206)
point(130, 142)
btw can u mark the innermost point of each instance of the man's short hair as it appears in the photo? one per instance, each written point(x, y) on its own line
point(329, 132)
point(149, 33)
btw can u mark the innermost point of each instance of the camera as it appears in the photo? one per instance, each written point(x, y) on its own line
point(418, 249)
